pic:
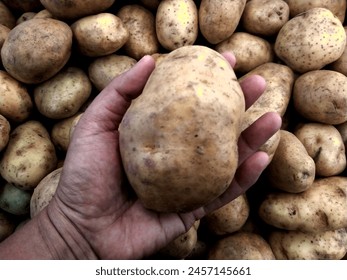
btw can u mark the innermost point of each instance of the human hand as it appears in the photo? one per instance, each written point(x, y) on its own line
point(96, 212)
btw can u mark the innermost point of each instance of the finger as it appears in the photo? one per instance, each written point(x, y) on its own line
point(110, 105)
point(230, 57)
point(257, 134)
point(253, 87)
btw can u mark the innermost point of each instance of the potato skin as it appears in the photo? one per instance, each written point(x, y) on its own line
point(177, 23)
point(218, 19)
point(321, 42)
point(14, 200)
point(29, 156)
point(265, 17)
point(5, 129)
point(15, 102)
point(324, 144)
point(63, 95)
point(320, 96)
point(99, 35)
point(187, 119)
point(320, 208)
point(250, 51)
point(296, 245)
point(291, 169)
point(34, 65)
point(241, 246)
point(6, 16)
point(140, 23)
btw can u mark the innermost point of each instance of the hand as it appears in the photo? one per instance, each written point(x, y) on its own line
point(97, 214)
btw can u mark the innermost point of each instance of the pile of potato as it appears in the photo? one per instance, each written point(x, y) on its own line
point(56, 56)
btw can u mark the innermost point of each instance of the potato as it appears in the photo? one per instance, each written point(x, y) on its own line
point(178, 139)
point(29, 156)
point(241, 246)
point(37, 60)
point(321, 207)
point(177, 23)
point(250, 51)
point(311, 40)
point(324, 144)
point(219, 19)
point(151, 4)
point(340, 65)
point(103, 70)
point(15, 102)
point(265, 17)
point(199, 251)
point(229, 218)
point(68, 10)
point(291, 169)
point(296, 245)
point(140, 23)
point(6, 16)
point(181, 246)
point(60, 133)
point(7, 225)
point(5, 129)
point(14, 200)
point(23, 5)
point(4, 30)
point(43, 14)
point(338, 8)
point(342, 128)
point(320, 96)
point(100, 34)
point(63, 95)
point(25, 17)
point(44, 192)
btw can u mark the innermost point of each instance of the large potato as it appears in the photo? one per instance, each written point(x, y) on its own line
point(296, 245)
point(15, 101)
point(37, 49)
point(320, 208)
point(291, 169)
point(177, 23)
point(100, 34)
point(241, 246)
point(264, 17)
point(140, 23)
point(6, 16)
point(29, 156)
point(44, 192)
point(76, 8)
point(178, 139)
point(218, 19)
point(250, 51)
point(5, 129)
point(103, 70)
point(63, 95)
point(320, 96)
point(229, 218)
point(337, 7)
point(324, 144)
point(311, 40)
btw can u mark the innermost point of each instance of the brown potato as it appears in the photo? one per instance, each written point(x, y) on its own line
point(100, 34)
point(4, 31)
point(22, 6)
point(321, 207)
point(76, 9)
point(37, 60)
point(219, 19)
point(142, 36)
point(29, 156)
point(104, 69)
point(25, 17)
point(296, 245)
point(320, 96)
point(151, 4)
point(324, 144)
point(5, 129)
point(265, 17)
point(177, 23)
point(340, 65)
point(291, 169)
point(229, 218)
point(182, 122)
point(241, 246)
point(321, 42)
point(6, 16)
point(15, 102)
point(250, 51)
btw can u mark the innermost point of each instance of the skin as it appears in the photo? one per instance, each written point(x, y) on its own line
point(94, 213)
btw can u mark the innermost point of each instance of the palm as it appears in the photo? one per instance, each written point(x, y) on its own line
point(93, 192)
